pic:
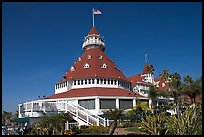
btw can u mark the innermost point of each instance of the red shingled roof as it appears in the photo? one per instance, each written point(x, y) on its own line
point(145, 69)
point(95, 69)
point(161, 80)
point(82, 92)
point(93, 31)
point(137, 78)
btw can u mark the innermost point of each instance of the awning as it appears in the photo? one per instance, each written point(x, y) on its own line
point(20, 120)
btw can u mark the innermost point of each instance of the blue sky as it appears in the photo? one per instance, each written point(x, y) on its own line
point(40, 41)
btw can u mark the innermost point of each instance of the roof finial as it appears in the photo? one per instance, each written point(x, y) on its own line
point(146, 58)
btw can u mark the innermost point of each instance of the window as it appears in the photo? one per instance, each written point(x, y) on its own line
point(125, 103)
point(111, 82)
point(104, 81)
point(66, 83)
point(88, 56)
point(97, 81)
point(101, 81)
point(79, 59)
point(108, 81)
point(115, 82)
point(107, 103)
point(85, 81)
point(93, 81)
point(89, 81)
point(82, 82)
point(87, 103)
point(100, 56)
point(78, 82)
point(72, 68)
point(86, 65)
point(104, 65)
point(75, 82)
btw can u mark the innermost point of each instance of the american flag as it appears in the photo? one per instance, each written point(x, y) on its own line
point(97, 12)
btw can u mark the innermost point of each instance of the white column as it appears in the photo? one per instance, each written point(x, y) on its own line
point(97, 105)
point(32, 109)
point(150, 101)
point(117, 103)
point(134, 102)
point(19, 110)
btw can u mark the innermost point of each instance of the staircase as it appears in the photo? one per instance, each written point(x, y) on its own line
point(79, 113)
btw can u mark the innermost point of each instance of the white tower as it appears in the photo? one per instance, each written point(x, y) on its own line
point(93, 40)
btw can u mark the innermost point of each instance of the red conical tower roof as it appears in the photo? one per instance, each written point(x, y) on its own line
point(95, 69)
point(93, 31)
point(145, 70)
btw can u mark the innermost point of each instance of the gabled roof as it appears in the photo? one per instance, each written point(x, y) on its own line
point(93, 31)
point(83, 92)
point(138, 79)
point(95, 70)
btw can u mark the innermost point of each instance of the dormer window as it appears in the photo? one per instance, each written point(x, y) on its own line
point(72, 68)
point(104, 65)
point(86, 65)
point(88, 56)
point(79, 59)
point(100, 57)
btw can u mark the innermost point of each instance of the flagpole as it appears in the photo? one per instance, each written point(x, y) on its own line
point(93, 16)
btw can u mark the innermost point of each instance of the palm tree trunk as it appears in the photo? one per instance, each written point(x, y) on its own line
point(113, 127)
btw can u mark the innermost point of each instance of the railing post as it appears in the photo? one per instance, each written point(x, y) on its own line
point(104, 122)
point(108, 122)
point(97, 121)
point(87, 119)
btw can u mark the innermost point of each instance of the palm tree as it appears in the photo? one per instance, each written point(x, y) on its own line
point(165, 75)
point(115, 115)
point(150, 69)
point(153, 94)
point(176, 89)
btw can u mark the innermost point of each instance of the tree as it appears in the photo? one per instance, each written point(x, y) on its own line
point(115, 115)
point(153, 96)
point(150, 69)
point(176, 89)
point(6, 116)
point(52, 125)
point(192, 88)
point(165, 75)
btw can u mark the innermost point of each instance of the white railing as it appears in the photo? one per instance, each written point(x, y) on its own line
point(76, 110)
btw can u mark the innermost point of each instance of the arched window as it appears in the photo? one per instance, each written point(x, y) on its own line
point(86, 65)
point(100, 56)
point(104, 81)
point(108, 81)
point(88, 56)
point(72, 68)
point(103, 65)
point(101, 81)
point(111, 82)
